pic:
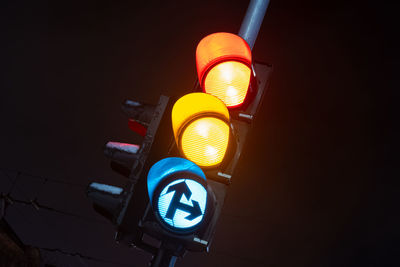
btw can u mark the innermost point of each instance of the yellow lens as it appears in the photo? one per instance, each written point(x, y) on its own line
point(195, 105)
point(229, 81)
point(205, 140)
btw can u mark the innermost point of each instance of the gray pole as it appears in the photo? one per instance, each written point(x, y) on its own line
point(252, 21)
point(163, 258)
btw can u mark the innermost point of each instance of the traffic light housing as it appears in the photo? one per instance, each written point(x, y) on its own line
point(126, 208)
point(204, 127)
point(181, 205)
point(239, 118)
point(213, 52)
point(130, 208)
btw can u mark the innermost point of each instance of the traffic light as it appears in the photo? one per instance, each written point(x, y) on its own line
point(201, 128)
point(168, 181)
point(223, 63)
point(125, 205)
point(152, 174)
point(211, 134)
point(211, 124)
point(181, 204)
point(178, 176)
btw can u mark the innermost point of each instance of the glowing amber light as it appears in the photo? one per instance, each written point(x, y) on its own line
point(201, 130)
point(205, 140)
point(223, 63)
point(196, 105)
point(229, 82)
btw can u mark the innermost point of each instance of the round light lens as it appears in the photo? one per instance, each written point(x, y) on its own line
point(205, 140)
point(229, 81)
point(180, 209)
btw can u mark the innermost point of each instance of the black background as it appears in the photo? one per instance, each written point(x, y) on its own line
point(315, 186)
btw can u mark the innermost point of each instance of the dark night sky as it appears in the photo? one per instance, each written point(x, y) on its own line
point(315, 185)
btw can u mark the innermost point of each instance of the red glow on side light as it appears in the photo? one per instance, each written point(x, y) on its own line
point(137, 127)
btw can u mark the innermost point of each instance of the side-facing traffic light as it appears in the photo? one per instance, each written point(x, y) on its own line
point(224, 67)
point(125, 206)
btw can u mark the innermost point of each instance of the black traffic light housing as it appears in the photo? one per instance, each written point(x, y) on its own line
point(241, 120)
point(131, 211)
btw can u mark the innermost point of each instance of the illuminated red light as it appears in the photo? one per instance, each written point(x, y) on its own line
point(223, 67)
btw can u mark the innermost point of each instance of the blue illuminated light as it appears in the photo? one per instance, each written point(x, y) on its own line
point(182, 203)
point(167, 167)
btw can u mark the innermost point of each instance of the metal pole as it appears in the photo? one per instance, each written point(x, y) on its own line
point(163, 258)
point(252, 21)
